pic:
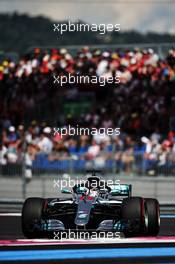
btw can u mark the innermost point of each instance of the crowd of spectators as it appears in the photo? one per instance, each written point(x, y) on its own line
point(142, 105)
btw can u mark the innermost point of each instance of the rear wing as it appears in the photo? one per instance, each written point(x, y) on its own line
point(121, 190)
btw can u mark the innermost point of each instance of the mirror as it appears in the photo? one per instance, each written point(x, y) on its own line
point(65, 191)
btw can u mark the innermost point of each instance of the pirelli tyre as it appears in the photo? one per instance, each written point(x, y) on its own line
point(133, 216)
point(31, 216)
point(152, 215)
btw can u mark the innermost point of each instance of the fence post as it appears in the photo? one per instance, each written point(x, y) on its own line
point(24, 148)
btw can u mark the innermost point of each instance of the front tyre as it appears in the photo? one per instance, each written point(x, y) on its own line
point(31, 215)
point(133, 216)
point(153, 217)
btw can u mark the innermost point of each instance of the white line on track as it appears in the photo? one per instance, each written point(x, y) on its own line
point(44, 242)
point(10, 214)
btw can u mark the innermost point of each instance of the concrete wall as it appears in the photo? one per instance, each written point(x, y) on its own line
point(161, 188)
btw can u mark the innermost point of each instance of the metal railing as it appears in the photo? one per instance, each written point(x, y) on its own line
point(135, 164)
point(148, 176)
point(160, 48)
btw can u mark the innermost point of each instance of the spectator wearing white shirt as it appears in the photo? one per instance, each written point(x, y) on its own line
point(45, 144)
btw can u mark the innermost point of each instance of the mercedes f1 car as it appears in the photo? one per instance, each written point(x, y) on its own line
point(92, 206)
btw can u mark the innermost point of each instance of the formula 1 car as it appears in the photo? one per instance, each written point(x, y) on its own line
point(93, 205)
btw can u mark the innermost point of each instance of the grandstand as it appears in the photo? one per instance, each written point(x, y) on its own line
point(142, 105)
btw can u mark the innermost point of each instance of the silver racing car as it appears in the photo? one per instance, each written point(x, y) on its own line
point(93, 205)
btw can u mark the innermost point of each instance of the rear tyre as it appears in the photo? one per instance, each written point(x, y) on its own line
point(31, 215)
point(133, 216)
point(153, 217)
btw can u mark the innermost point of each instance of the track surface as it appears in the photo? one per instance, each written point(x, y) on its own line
point(16, 249)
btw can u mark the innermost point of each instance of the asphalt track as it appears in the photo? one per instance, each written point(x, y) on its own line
point(14, 248)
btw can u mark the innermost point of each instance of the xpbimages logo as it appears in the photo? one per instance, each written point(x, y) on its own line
point(84, 79)
point(78, 26)
point(69, 183)
point(85, 235)
point(81, 131)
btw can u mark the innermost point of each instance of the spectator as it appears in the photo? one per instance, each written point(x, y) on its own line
point(45, 144)
point(142, 105)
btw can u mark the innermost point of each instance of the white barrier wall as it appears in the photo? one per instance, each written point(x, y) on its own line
point(161, 188)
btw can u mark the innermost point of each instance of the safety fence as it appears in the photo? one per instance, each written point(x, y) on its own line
point(121, 163)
